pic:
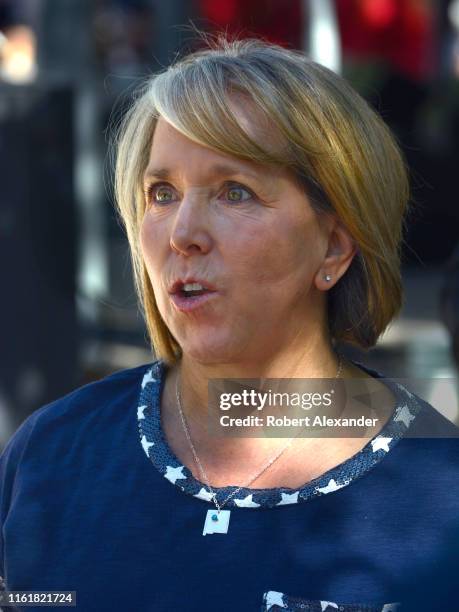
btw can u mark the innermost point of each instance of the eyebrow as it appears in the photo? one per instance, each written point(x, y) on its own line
point(215, 170)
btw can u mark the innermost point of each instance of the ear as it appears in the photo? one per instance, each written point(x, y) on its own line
point(340, 251)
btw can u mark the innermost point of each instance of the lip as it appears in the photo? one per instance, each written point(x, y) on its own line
point(189, 304)
point(177, 285)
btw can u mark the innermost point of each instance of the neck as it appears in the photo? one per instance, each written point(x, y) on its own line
point(230, 460)
point(230, 455)
point(314, 360)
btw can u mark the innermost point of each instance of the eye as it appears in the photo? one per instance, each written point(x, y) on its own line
point(159, 193)
point(236, 193)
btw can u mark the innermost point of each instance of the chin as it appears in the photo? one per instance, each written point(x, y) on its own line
point(213, 351)
point(206, 355)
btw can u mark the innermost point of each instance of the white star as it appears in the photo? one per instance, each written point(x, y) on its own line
point(148, 378)
point(140, 414)
point(404, 415)
point(174, 474)
point(332, 486)
point(146, 445)
point(274, 598)
point(246, 502)
point(381, 443)
point(324, 605)
point(204, 494)
point(390, 607)
point(288, 498)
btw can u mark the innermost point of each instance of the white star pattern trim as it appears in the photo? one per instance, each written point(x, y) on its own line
point(274, 598)
point(390, 607)
point(405, 390)
point(404, 415)
point(332, 486)
point(203, 494)
point(140, 412)
point(246, 502)
point(325, 604)
point(174, 474)
point(148, 378)
point(288, 498)
point(381, 443)
point(146, 445)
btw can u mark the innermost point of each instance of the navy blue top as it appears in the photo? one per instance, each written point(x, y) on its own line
point(93, 500)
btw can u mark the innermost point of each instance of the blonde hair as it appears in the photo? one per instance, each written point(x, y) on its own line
point(339, 148)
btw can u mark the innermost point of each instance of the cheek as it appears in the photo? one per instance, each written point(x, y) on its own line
point(150, 243)
point(276, 255)
point(151, 249)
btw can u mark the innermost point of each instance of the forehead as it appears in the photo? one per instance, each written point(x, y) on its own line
point(171, 151)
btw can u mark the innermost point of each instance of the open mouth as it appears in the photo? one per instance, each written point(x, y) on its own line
point(192, 290)
point(189, 297)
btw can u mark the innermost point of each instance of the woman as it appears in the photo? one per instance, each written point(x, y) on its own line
point(264, 203)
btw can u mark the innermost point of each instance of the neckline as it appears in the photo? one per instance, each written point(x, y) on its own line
point(163, 459)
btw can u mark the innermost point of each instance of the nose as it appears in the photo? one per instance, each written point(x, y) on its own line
point(190, 232)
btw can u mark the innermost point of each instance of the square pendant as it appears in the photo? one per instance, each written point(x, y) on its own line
point(216, 522)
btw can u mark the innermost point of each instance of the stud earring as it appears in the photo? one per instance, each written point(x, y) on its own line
point(327, 277)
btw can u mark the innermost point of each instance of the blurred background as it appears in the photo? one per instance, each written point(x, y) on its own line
point(68, 312)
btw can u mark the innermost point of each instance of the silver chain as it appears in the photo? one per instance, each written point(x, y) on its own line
point(203, 473)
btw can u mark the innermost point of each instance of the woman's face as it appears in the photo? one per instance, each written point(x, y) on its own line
point(243, 230)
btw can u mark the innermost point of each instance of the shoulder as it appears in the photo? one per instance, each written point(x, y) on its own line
point(434, 440)
point(111, 390)
point(93, 401)
point(427, 458)
point(431, 423)
point(429, 443)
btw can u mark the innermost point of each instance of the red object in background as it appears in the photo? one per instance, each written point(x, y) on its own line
point(379, 13)
point(279, 21)
point(401, 32)
point(222, 12)
point(398, 31)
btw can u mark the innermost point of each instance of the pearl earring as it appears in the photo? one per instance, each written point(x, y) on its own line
point(327, 277)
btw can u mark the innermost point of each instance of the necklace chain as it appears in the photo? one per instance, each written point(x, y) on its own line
point(199, 464)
